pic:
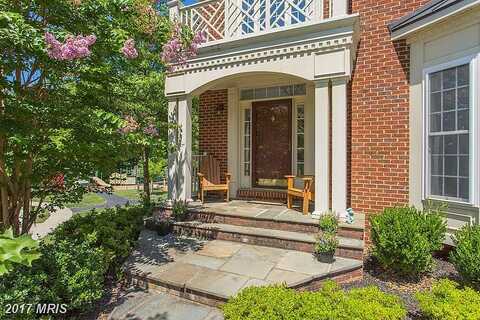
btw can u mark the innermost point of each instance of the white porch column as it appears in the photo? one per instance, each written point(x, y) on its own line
point(172, 145)
point(233, 140)
point(339, 145)
point(321, 147)
point(180, 154)
point(338, 7)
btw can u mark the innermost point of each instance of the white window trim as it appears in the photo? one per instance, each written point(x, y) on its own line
point(296, 103)
point(245, 181)
point(474, 117)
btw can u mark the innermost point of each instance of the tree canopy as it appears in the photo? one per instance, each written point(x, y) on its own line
point(81, 88)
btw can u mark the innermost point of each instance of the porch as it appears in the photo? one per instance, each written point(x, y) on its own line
point(273, 100)
point(259, 134)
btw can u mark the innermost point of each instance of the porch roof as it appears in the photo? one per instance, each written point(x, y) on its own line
point(432, 12)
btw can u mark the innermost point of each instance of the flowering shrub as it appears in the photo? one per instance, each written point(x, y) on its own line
point(129, 50)
point(130, 125)
point(57, 182)
point(74, 47)
point(183, 45)
point(151, 130)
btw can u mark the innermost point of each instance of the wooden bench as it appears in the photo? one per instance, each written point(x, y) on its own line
point(306, 192)
point(209, 178)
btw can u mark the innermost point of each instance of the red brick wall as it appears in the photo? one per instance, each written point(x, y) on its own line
point(212, 122)
point(380, 108)
point(326, 9)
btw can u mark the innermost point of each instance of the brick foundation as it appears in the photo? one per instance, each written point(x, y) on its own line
point(260, 240)
point(254, 222)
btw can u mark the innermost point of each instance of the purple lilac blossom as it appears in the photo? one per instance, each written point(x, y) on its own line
point(74, 47)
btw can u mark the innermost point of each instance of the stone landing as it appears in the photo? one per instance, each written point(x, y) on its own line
point(210, 272)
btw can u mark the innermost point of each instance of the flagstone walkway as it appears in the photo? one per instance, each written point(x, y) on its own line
point(222, 268)
point(142, 305)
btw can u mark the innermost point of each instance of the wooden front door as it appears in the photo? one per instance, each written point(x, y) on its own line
point(272, 143)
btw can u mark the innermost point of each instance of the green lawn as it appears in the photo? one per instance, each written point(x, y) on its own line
point(131, 194)
point(89, 200)
point(134, 194)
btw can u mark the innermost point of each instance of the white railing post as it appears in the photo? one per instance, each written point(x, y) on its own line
point(174, 10)
point(339, 7)
point(226, 21)
point(317, 10)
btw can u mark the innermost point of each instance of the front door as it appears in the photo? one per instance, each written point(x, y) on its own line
point(272, 143)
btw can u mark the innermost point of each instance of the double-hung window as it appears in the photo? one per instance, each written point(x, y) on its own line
point(449, 132)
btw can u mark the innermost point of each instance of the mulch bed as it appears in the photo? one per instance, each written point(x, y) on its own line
point(404, 287)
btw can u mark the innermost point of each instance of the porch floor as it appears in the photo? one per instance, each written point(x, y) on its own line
point(219, 269)
point(267, 211)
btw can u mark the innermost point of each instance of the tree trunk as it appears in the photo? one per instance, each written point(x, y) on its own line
point(4, 216)
point(27, 197)
point(146, 174)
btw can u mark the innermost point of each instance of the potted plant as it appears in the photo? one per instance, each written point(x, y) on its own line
point(163, 222)
point(180, 210)
point(328, 222)
point(326, 246)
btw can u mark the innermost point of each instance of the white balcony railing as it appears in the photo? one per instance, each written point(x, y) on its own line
point(223, 19)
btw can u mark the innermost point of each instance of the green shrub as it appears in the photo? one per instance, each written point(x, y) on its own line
point(466, 256)
point(115, 230)
point(405, 238)
point(263, 303)
point(67, 272)
point(371, 303)
point(276, 302)
point(74, 261)
point(27, 285)
point(328, 222)
point(446, 301)
point(16, 250)
point(77, 270)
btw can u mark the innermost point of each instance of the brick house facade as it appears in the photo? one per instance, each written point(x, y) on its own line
point(380, 109)
point(355, 101)
point(378, 135)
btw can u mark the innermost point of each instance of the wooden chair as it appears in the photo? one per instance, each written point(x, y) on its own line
point(101, 186)
point(307, 193)
point(209, 178)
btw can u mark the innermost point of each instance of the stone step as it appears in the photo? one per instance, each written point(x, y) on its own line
point(293, 222)
point(348, 247)
point(210, 272)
